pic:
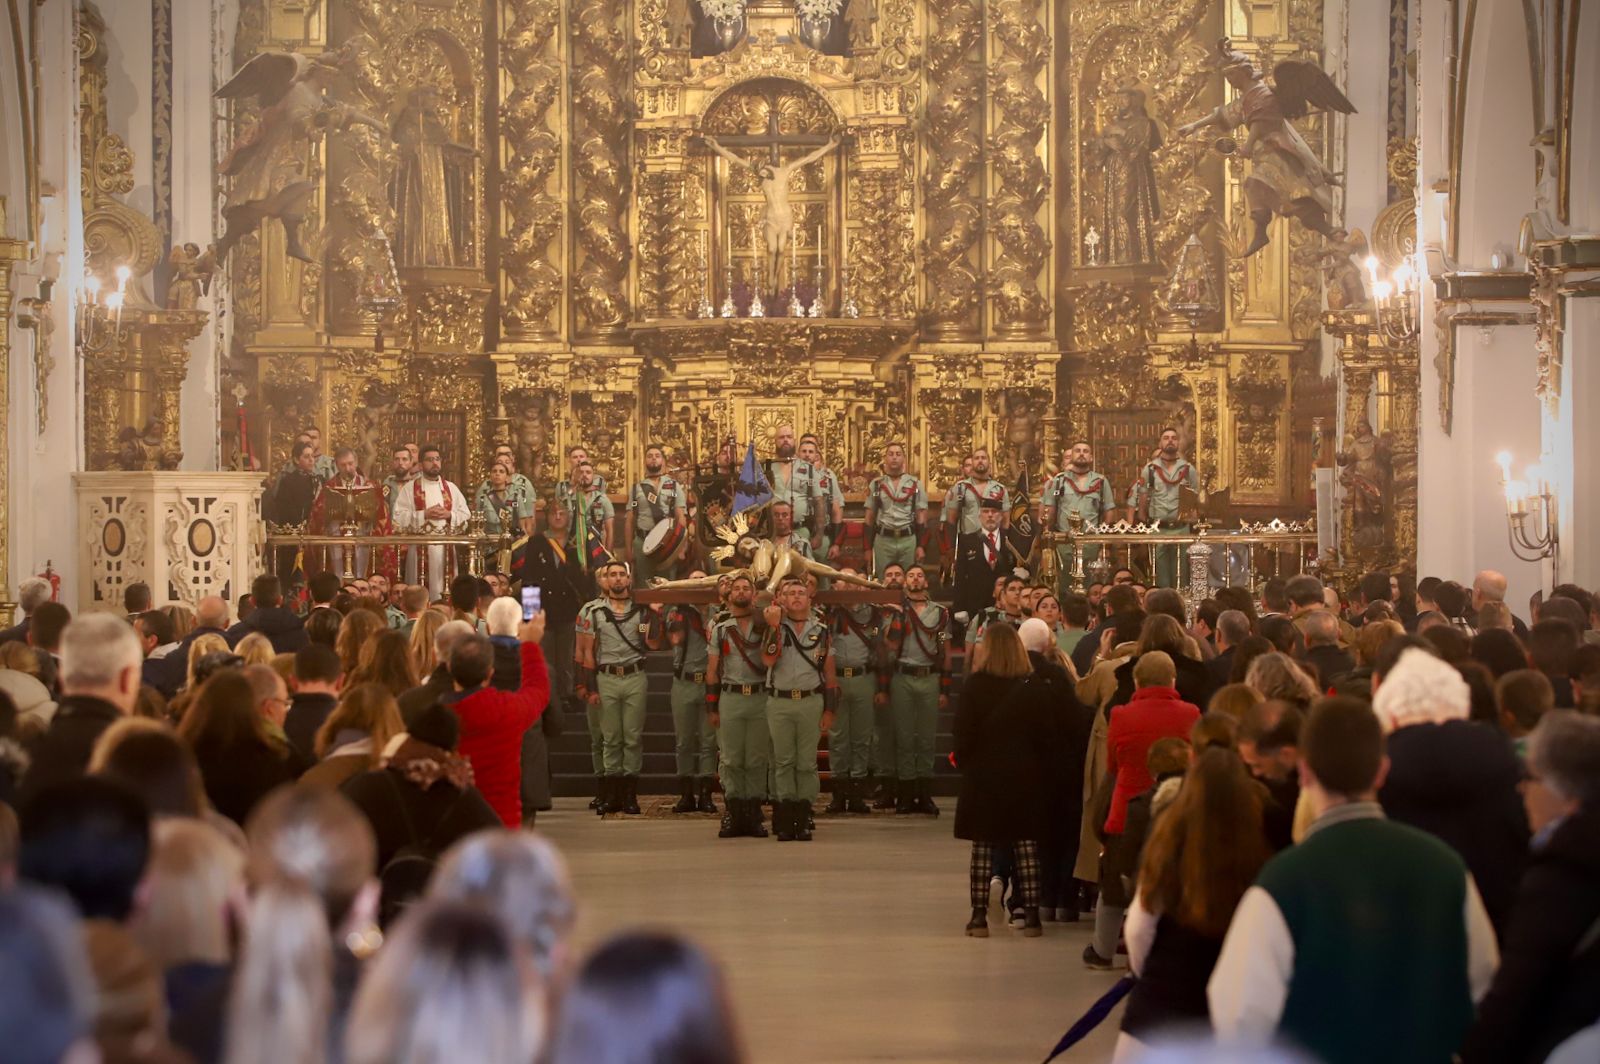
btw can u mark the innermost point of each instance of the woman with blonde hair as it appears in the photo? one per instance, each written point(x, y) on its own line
point(355, 735)
point(1234, 699)
point(182, 618)
point(194, 902)
point(386, 661)
point(1276, 676)
point(256, 649)
point(310, 864)
point(422, 633)
point(210, 643)
point(521, 877)
point(355, 630)
point(450, 985)
point(1005, 745)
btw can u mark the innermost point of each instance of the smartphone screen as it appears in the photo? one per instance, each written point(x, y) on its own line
point(530, 602)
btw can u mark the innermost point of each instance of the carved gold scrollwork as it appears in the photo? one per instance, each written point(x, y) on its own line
point(952, 179)
point(1021, 185)
point(600, 76)
point(530, 183)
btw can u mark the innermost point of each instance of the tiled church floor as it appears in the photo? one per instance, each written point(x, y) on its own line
point(848, 948)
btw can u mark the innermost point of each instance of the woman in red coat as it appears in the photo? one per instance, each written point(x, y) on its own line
point(493, 721)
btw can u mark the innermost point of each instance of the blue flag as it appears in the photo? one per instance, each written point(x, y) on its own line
point(752, 491)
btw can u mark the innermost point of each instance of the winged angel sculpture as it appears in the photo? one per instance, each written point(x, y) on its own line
point(765, 561)
point(267, 165)
point(1285, 176)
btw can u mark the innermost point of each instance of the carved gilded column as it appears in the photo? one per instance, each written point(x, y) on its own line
point(1019, 51)
point(1404, 374)
point(600, 81)
point(133, 384)
point(668, 267)
point(532, 184)
point(952, 180)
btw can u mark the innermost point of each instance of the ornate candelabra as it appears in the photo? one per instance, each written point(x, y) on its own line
point(730, 309)
point(1396, 299)
point(817, 309)
point(1532, 514)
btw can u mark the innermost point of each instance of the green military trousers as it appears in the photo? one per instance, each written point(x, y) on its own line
point(695, 740)
point(644, 570)
point(892, 550)
point(743, 741)
point(622, 722)
point(796, 726)
point(850, 738)
point(915, 701)
point(597, 741)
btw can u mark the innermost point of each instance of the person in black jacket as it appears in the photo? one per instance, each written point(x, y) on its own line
point(1004, 750)
point(422, 796)
point(240, 763)
point(552, 563)
point(1074, 724)
point(1548, 983)
point(100, 664)
point(981, 557)
point(318, 676)
point(282, 626)
point(1451, 777)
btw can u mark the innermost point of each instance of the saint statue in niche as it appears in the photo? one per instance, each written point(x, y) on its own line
point(430, 190)
point(1130, 203)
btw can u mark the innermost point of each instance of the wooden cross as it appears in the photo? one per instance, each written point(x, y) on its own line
point(773, 139)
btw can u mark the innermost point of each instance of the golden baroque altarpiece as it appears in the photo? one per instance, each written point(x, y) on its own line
point(539, 174)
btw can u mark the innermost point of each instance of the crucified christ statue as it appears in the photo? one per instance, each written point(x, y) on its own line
point(778, 219)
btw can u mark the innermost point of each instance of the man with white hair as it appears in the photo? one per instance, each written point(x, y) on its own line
point(100, 665)
point(31, 594)
point(438, 684)
point(1489, 586)
point(1448, 775)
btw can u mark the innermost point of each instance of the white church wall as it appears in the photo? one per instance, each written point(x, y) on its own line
point(1496, 159)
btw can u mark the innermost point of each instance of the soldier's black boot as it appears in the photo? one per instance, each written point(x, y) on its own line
point(799, 821)
point(629, 798)
point(602, 801)
point(836, 804)
point(732, 820)
point(905, 801)
point(887, 788)
point(783, 821)
point(599, 793)
point(753, 827)
point(925, 799)
point(704, 803)
point(686, 799)
point(853, 800)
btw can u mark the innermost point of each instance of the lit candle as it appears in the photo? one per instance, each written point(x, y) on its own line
point(91, 286)
point(1504, 461)
point(1536, 484)
point(819, 247)
point(1372, 269)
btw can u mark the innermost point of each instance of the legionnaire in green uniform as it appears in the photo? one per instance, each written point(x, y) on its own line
point(736, 704)
point(504, 509)
point(656, 498)
point(881, 761)
point(794, 481)
point(800, 704)
point(966, 497)
point(784, 533)
point(1155, 497)
point(520, 488)
point(897, 510)
point(916, 684)
point(566, 489)
point(695, 738)
point(613, 635)
point(593, 515)
point(830, 494)
point(1077, 489)
point(1007, 609)
point(855, 631)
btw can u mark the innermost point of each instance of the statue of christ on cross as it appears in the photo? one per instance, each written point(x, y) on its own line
point(777, 219)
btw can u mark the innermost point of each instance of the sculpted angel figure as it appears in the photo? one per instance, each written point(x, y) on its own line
point(766, 562)
point(777, 220)
point(1285, 175)
point(267, 166)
